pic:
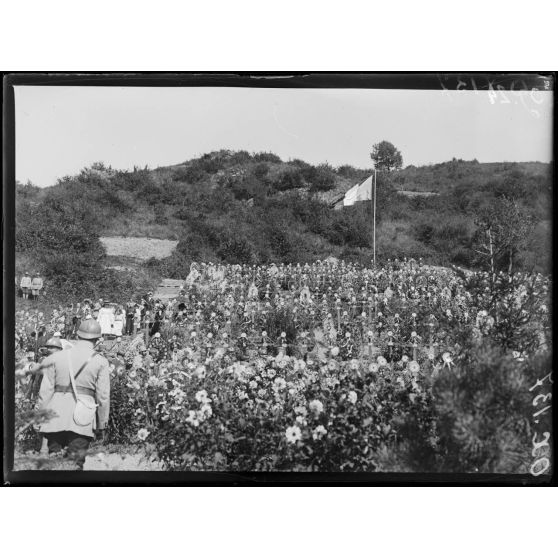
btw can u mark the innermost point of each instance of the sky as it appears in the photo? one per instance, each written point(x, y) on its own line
point(61, 130)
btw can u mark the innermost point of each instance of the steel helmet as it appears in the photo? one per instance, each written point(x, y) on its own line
point(54, 342)
point(89, 329)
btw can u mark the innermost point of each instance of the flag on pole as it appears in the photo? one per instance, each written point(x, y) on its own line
point(359, 192)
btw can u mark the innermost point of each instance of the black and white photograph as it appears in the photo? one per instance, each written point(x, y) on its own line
point(301, 274)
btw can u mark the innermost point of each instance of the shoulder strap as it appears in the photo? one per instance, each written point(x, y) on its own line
point(91, 357)
point(72, 377)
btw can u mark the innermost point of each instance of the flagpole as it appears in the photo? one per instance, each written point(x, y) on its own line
point(374, 243)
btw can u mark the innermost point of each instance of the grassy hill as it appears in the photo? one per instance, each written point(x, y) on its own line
point(239, 207)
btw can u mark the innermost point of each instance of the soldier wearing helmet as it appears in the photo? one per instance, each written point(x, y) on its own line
point(76, 388)
point(53, 345)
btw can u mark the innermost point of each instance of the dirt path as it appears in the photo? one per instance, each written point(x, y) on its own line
point(119, 462)
point(141, 248)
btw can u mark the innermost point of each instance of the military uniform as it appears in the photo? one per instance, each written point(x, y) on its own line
point(56, 394)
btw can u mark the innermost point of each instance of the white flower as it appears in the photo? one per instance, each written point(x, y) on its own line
point(299, 365)
point(293, 434)
point(301, 410)
point(334, 351)
point(381, 361)
point(301, 420)
point(448, 360)
point(193, 418)
point(413, 366)
point(319, 432)
point(316, 406)
point(132, 374)
point(352, 397)
point(201, 397)
point(253, 384)
point(205, 411)
point(143, 433)
point(153, 381)
point(373, 367)
point(200, 371)
point(279, 383)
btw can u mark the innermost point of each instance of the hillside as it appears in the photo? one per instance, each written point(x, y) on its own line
point(238, 207)
point(443, 177)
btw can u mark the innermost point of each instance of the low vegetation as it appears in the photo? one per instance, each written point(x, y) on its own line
point(237, 207)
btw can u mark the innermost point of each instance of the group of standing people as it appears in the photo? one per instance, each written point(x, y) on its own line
point(30, 285)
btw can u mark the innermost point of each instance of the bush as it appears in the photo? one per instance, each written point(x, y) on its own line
point(289, 180)
point(348, 171)
point(159, 214)
point(236, 250)
point(484, 406)
point(349, 227)
point(193, 174)
point(261, 170)
point(240, 158)
point(321, 179)
point(266, 157)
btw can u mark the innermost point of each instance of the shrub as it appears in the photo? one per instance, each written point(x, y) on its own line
point(240, 158)
point(349, 227)
point(322, 179)
point(484, 405)
point(193, 174)
point(289, 180)
point(236, 250)
point(266, 157)
point(159, 214)
point(261, 170)
point(348, 171)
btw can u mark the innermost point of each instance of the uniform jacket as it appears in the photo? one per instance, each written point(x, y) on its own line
point(37, 283)
point(25, 282)
point(95, 376)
